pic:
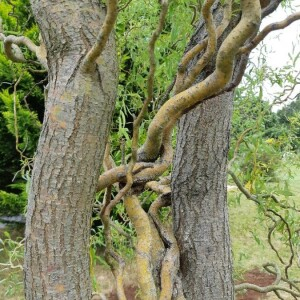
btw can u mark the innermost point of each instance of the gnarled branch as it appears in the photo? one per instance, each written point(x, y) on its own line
point(102, 38)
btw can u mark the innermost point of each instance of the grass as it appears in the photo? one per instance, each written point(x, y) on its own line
point(249, 234)
point(11, 279)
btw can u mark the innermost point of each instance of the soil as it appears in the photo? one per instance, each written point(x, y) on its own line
point(259, 278)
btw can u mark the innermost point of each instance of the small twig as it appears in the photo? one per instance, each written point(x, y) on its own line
point(237, 147)
point(165, 96)
point(124, 6)
point(23, 157)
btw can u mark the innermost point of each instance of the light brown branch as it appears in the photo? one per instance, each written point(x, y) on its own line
point(183, 101)
point(201, 46)
point(170, 263)
point(270, 288)
point(237, 147)
point(210, 49)
point(142, 225)
point(154, 37)
point(142, 172)
point(14, 53)
point(158, 188)
point(102, 38)
point(272, 27)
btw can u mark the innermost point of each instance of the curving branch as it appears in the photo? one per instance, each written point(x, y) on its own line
point(237, 146)
point(267, 212)
point(271, 7)
point(255, 198)
point(142, 171)
point(202, 45)
point(154, 37)
point(102, 38)
point(210, 49)
point(174, 108)
point(272, 27)
point(142, 225)
point(170, 263)
point(15, 54)
point(270, 288)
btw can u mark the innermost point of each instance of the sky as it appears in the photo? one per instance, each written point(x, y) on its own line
point(279, 44)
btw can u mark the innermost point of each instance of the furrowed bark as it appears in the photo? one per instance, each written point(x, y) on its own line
point(70, 151)
point(199, 201)
point(199, 194)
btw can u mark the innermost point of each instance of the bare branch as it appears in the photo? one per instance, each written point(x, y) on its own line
point(170, 263)
point(210, 49)
point(102, 38)
point(124, 6)
point(14, 53)
point(270, 288)
point(155, 35)
point(237, 147)
point(201, 46)
point(270, 8)
point(272, 27)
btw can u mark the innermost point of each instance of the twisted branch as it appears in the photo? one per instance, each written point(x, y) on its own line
point(270, 288)
point(272, 27)
point(180, 103)
point(102, 38)
point(15, 54)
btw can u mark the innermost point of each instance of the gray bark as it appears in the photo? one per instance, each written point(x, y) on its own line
point(199, 200)
point(199, 193)
point(70, 151)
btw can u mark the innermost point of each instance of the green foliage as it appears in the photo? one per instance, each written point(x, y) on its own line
point(11, 260)
point(26, 121)
point(134, 28)
point(21, 112)
point(13, 203)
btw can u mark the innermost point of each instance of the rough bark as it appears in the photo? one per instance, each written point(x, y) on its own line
point(199, 183)
point(199, 200)
point(70, 151)
point(199, 194)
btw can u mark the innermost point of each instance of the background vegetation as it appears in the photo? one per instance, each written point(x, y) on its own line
point(264, 154)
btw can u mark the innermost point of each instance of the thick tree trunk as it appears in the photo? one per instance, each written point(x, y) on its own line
point(199, 194)
point(70, 151)
point(199, 200)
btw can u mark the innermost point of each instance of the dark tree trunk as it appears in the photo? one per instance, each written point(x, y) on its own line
point(199, 200)
point(70, 151)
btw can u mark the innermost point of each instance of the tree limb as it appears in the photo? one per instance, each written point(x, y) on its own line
point(102, 38)
point(180, 103)
point(14, 53)
point(272, 27)
point(270, 288)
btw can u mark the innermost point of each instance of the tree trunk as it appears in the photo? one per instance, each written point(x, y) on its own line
point(199, 190)
point(70, 151)
point(199, 200)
